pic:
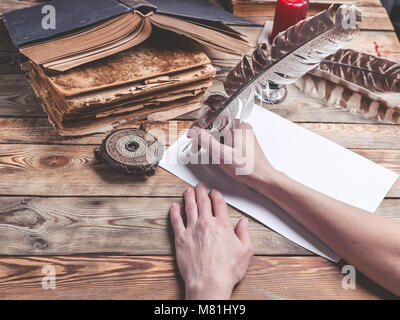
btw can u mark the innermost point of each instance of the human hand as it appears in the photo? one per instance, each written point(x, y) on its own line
point(244, 160)
point(212, 257)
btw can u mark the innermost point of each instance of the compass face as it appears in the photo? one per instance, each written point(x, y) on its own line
point(133, 147)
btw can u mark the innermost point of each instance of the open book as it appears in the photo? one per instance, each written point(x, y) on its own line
point(87, 30)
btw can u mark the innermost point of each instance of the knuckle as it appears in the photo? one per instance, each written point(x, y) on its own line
point(225, 223)
point(204, 224)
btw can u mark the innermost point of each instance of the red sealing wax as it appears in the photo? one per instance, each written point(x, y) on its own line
point(287, 14)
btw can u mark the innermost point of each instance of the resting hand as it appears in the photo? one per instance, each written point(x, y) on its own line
point(212, 257)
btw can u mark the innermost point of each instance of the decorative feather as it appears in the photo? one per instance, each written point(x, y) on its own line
point(365, 84)
point(235, 79)
point(294, 52)
point(355, 69)
point(332, 94)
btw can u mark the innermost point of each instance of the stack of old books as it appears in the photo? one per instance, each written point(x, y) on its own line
point(165, 72)
point(97, 64)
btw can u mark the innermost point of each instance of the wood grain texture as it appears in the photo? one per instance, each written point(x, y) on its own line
point(135, 226)
point(17, 97)
point(39, 131)
point(6, 5)
point(57, 200)
point(10, 58)
point(389, 45)
point(66, 226)
point(153, 277)
point(69, 170)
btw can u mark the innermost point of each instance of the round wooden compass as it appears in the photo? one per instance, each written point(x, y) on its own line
point(132, 151)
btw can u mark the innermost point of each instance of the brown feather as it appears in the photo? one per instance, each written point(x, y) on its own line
point(338, 96)
point(361, 69)
point(260, 59)
point(238, 76)
point(294, 52)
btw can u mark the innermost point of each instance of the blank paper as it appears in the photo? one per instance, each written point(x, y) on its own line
point(304, 156)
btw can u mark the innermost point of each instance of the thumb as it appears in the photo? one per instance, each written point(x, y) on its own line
point(242, 231)
point(217, 151)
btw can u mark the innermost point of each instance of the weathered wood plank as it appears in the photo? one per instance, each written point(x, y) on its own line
point(153, 277)
point(7, 5)
point(39, 131)
point(10, 58)
point(140, 226)
point(389, 45)
point(298, 107)
point(370, 3)
point(17, 97)
point(136, 226)
point(69, 170)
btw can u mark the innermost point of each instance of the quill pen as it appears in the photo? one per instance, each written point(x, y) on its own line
point(294, 52)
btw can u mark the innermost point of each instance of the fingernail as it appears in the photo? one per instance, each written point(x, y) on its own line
point(213, 191)
point(188, 190)
point(174, 204)
point(246, 221)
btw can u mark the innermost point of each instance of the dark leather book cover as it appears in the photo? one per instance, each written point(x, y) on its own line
point(25, 25)
point(198, 10)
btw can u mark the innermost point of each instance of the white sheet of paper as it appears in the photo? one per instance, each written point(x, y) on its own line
point(304, 156)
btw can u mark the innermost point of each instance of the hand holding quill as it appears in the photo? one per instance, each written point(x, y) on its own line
point(294, 52)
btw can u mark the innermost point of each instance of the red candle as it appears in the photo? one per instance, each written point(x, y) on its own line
point(287, 14)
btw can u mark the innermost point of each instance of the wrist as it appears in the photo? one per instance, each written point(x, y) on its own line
point(265, 181)
point(201, 291)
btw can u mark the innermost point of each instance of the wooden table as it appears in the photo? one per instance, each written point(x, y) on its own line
point(108, 236)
